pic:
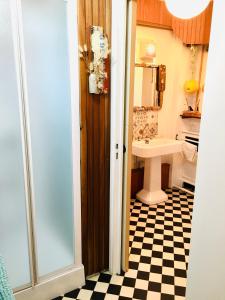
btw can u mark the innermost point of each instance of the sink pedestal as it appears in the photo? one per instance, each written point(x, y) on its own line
point(152, 193)
point(152, 152)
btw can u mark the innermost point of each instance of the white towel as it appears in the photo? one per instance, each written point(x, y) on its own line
point(190, 152)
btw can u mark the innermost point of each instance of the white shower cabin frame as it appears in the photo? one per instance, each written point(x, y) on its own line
point(62, 281)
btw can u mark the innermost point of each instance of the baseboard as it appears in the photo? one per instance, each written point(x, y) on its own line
point(54, 287)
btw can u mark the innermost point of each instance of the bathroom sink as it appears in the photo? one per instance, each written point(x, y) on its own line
point(152, 150)
point(156, 147)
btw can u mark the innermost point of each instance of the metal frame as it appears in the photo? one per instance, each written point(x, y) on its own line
point(74, 62)
point(24, 134)
point(53, 287)
point(19, 51)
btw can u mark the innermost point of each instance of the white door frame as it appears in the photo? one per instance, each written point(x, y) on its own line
point(118, 100)
point(128, 128)
point(122, 57)
point(118, 53)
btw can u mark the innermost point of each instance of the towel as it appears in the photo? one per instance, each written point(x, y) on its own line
point(190, 152)
point(5, 290)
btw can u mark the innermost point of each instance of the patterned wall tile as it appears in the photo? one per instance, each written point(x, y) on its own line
point(145, 123)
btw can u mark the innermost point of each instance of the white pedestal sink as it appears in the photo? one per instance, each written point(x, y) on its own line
point(152, 152)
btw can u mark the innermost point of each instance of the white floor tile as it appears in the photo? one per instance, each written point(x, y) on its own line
point(153, 296)
point(101, 287)
point(85, 295)
point(168, 289)
point(127, 291)
point(141, 284)
point(118, 280)
point(111, 297)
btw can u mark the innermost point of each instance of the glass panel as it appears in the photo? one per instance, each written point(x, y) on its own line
point(46, 54)
point(13, 226)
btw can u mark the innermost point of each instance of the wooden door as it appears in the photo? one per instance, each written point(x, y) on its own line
point(95, 149)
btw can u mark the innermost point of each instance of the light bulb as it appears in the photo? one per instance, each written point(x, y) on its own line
point(186, 9)
point(147, 51)
point(150, 50)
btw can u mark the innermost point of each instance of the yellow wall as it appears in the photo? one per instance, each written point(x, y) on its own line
point(177, 57)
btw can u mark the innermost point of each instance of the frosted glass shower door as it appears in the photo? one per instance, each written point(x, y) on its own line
point(13, 224)
point(49, 105)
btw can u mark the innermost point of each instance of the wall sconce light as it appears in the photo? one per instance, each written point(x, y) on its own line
point(148, 52)
point(186, 9)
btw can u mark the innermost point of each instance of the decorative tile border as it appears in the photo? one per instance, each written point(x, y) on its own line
point(145, 123)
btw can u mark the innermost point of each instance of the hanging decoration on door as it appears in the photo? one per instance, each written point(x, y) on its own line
point(98, 64)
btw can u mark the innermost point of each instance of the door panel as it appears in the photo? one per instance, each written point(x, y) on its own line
point(95, 149)
point(49, 105)
point(13, 219)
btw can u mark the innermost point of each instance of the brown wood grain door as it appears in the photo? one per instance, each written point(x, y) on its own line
point(95, 149)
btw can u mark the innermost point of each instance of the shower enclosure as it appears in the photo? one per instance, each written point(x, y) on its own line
point(39, 162)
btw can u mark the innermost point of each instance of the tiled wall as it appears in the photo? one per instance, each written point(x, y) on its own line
point(145, 123)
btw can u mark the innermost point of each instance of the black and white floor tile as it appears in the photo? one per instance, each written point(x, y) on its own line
point(159, 251)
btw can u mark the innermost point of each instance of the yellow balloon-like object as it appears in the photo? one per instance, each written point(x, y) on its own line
point(191, 86)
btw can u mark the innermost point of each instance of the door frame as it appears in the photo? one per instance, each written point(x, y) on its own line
point(118, 54)
point(121, 100)
point(128, 128)
point(121, 131)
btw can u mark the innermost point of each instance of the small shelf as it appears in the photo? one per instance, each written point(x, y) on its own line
point(191, 115)
point(144, 65)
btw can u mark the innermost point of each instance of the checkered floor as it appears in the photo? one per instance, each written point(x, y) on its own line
point(159, 251)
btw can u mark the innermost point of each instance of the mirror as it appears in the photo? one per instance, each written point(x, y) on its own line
point(149, 85)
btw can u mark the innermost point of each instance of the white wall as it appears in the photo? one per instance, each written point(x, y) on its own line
point(206, 275)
